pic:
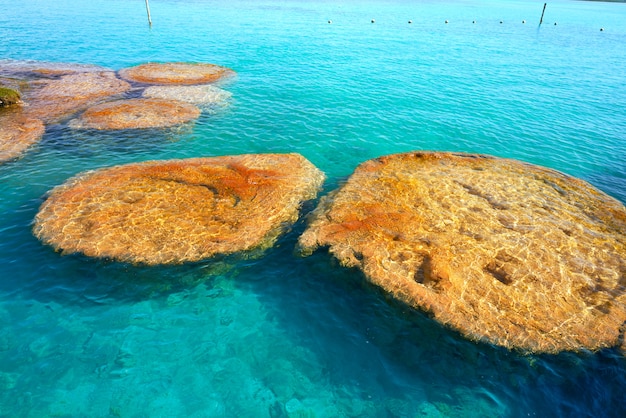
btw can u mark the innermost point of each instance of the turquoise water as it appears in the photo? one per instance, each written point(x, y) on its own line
point(285, 336)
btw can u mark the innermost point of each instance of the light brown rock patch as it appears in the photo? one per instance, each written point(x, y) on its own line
point(180, 73)
point(18, 132)
point(53, 100)
point(136, 114)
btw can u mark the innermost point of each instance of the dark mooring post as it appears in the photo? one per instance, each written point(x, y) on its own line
point(540, 20)
point(148, 10)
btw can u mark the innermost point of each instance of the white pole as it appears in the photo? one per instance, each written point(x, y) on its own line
point(148, 10)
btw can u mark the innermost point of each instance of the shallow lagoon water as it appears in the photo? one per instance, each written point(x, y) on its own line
point(282, 335)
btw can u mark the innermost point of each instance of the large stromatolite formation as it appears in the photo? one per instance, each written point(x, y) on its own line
point(506, 252)
point(179, 73)
point(136, 114)
point(168, 212)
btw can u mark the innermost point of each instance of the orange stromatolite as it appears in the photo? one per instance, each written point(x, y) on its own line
point(503, 251)
point(169, 212)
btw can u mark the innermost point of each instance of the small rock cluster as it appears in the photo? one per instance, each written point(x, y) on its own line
point(34, 93)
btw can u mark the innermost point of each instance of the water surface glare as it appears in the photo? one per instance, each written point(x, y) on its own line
point(283, 335)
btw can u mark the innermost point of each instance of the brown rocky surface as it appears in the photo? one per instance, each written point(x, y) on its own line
point(53, 92)
point(17, 133)
point(136, 114)
point(175, 73)
point(168, 212)
point(503, 251)
point(55, 99)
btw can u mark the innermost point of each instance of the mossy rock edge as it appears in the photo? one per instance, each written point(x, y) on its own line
point(9, 96)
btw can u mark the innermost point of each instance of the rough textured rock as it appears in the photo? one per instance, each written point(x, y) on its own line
point(167, 212)
point(58, 98)
point(202, 95)
point(136, 114)
point(18, 132)
point(53, 92)
point(505, 252)
point(175, 73)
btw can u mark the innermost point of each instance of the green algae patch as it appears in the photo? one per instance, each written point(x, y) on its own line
point(9, 97)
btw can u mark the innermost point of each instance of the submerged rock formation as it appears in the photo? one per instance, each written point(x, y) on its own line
point(179, 73)
point(17, 133)
point(49, 93)
point(136, 114)
point(56, 99)
point(29, 69)
point(201, 95)
point(53, 92)
point(168, 212)
point(506, 252)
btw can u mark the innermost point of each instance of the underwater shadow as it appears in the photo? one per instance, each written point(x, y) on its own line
point(376, 347)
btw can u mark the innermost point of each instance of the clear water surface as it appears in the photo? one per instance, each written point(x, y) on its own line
point(281, 335)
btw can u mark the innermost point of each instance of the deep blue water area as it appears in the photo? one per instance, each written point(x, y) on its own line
point(283, 335)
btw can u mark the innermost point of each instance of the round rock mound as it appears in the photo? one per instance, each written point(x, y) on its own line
point(136, 114)
point(169, 212)
point(18, 132)
point(505, 252)
point(175, 73)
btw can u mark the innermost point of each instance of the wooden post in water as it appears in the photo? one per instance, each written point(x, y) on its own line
point(540, 20)
point(148, 10)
